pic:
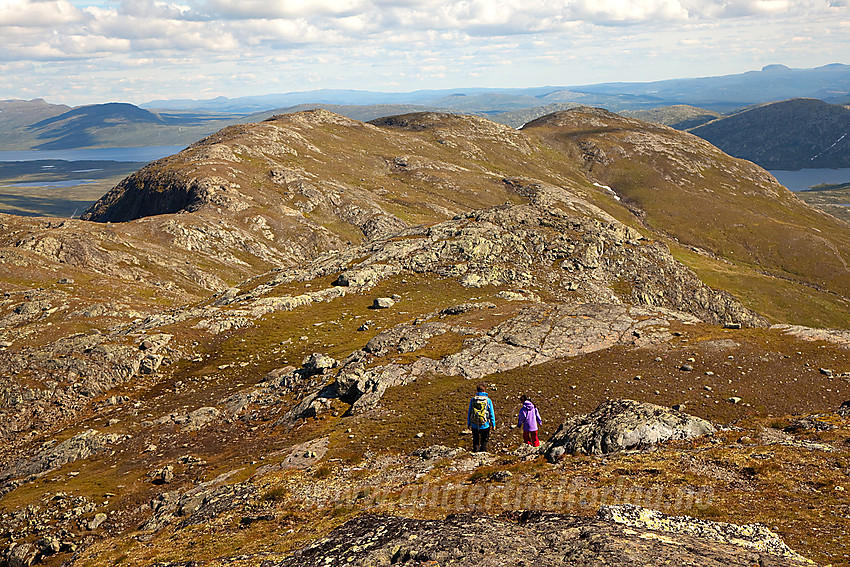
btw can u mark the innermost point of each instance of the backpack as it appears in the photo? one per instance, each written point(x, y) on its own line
point(480, 413)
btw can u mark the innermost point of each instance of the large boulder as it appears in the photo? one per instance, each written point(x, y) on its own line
point(618, 425)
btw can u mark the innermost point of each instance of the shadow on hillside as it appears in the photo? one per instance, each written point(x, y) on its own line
point(29, 206)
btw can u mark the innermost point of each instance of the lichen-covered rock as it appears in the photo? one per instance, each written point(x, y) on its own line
point(754, 536)
point(537, 538)
point(618, 425)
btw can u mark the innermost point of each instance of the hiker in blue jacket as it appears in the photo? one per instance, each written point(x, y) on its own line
point(481, 418)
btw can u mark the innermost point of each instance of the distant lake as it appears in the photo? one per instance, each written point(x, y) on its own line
point(805, 178)
point(56, 184)
point(141, 154)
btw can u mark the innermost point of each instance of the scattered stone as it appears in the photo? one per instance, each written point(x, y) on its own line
point(162, 475)
point(734, 400)
point(97, 521)
point(49, 545)
point(732, 326)
point(383, 303)
point(511, 296)
point(816, 422)
point(278, 374)
point(678, 407)
point(686, 368)
point(844, 409)
point(419, 435)
point(826, 372)
point(150, 363)
point(501, 476)
point(116, 400)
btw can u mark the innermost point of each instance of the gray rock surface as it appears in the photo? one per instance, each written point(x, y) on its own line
point(56, 380)
point(543, 539)
point(51, 457)
point(618, 425)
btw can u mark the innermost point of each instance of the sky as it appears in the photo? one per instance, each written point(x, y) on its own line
point(91, 51)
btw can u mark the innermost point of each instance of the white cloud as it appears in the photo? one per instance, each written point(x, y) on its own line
point(37, 13)
point(371, 44)
point(273, 9)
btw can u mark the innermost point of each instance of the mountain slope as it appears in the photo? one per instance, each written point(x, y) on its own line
point(681, 186)
point(275, 333)
point(427, 167)
point(15, 114)
point(792, 134)
point(76, 128)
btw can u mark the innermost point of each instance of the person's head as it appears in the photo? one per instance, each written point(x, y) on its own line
point(523, 398)
point(480, 388)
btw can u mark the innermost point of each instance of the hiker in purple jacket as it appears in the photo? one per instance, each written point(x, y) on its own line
point(529, 420)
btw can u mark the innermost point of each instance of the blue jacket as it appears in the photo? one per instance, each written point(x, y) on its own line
point(491, 422)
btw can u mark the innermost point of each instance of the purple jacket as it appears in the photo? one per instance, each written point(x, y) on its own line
point(529, 417)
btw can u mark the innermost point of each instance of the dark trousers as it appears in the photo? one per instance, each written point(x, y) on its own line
point(479, 439)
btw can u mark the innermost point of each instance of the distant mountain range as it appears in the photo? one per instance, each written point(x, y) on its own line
point(729, 111)
point(830, 83)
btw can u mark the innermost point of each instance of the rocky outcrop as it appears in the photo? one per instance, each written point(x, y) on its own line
point(536, 538)
point(618, 425)
point(536, 334)
point(53, 456)
point(197, 505)
point(58, 379)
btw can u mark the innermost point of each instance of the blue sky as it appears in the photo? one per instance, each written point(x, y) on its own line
point(89, 51)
